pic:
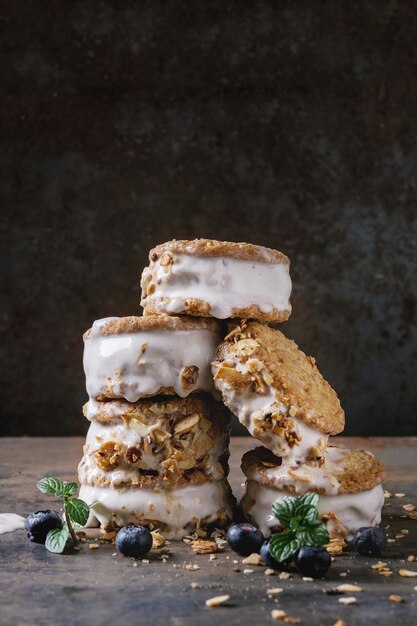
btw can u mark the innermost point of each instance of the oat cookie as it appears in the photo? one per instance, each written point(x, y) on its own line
point(277, 392)
point(218, 279)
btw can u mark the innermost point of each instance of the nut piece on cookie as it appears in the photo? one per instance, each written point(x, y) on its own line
point(277, 392)
point(221, 279)
point(348, 481)
point(137, 357)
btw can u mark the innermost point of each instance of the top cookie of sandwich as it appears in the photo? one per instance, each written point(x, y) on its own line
point(277, 392)
point(138, 357)
point(221, 279)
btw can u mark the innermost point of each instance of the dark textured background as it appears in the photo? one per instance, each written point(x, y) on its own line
point(289, 124)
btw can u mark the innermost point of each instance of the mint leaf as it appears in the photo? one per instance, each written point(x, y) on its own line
point(317, 534)
point(283, 510)
point(284, 545)
point(69, 489)
point(306, 513)
point(77, 510)
point(56, 539)
point(310, 499)
point(51, 486)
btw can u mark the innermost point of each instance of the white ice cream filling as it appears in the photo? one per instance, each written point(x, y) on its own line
point(225, 283)
point(139, 364)
point(249, 406)
point(179, 509)
point(353, 510)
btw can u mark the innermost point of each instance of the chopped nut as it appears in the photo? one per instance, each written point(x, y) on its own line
point(248, 571)
point(409, 507)
point(203, 546)
point(189, 376)
point(195, 586)
point(273, 591)
point(399, 495)
point(308, 579)
point(278, 614)
point(348, 600)
point(269, 572)
point(293, 411)
point(252, 559)
point(158, 540)
point(94, 546)
point(190, 566)
point(379, 565)
point(284, 576)
point(217, 601)
point(407, 573)
point(411, 558)
point(347, 588)
point(145, 561)
point(395, 598)
point(385, 574)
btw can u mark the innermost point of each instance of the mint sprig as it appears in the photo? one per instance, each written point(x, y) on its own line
point(75, 511)
point(300, 518)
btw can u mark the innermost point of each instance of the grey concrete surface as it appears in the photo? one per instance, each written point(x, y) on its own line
point(289, 124)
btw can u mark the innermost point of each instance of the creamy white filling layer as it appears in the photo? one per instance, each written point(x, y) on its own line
point(353, 510)
point(224, 283)
point(179, 509)
point(249, 407)
point(139, 364)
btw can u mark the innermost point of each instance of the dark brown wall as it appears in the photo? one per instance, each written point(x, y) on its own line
point(289, 124)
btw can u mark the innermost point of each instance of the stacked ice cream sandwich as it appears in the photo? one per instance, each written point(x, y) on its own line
point(157, 448)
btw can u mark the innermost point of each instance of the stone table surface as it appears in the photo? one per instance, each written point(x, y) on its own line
point(101, 587)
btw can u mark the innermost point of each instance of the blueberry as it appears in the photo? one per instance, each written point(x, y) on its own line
point(134, 541)
point(38, 525)
point(313, 561)
point(369, 541)
point(245, 538)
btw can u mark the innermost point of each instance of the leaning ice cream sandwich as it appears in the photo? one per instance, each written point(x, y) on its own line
point(277, 392)
point(136, 357)
point(349, 484)
point(217, 279)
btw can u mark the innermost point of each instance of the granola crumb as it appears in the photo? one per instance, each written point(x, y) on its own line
point(158, 540)
point(395, 598)
point(248, 571)
point(284, 576)
point(203, 546)
point(190, 566)
point(278, 614)
point(347, 588)
point(411, 558)
point(217, 601)
point(308, 579)
point(407, 573)
point(195, 585)
point(348, 600)
point(94, 546)
point(269, 572)
point(252, 559)
point(272, 591)
point(409, 507)
point(399, 495)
